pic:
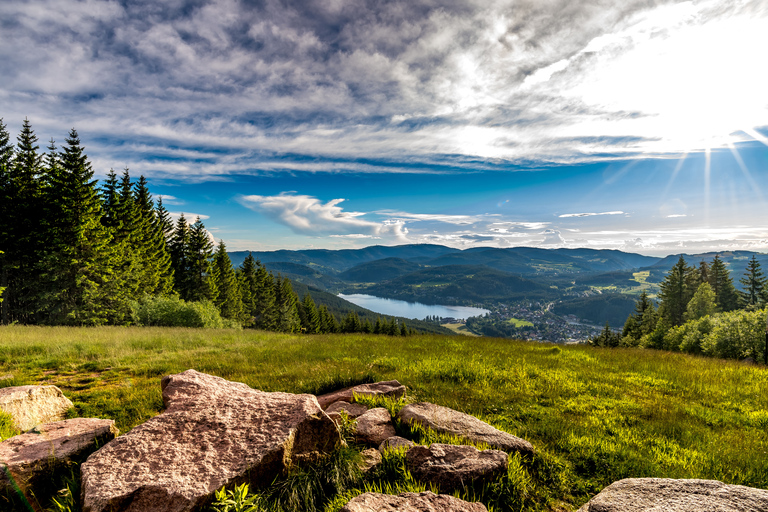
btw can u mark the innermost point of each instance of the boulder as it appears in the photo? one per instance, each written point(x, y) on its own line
point(396, 442)
point(669, 495)
point(32, 458)
point(31, 406)
point(410, 502)
point(212, 433)
point(451, 467)
point(446, 420)
point(386, 388)
point(371, 459)
point(374, 427)
point(352, 410)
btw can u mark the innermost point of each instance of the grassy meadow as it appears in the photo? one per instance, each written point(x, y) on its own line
point(594, 415)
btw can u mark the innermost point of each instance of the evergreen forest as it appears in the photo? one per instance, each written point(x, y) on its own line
point(700, 311)
point(74, 251)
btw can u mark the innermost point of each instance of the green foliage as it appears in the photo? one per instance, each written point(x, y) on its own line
point(754, 284)
point(703, 303)
point(7, 427)
point(172, 311)
point(236, 500)
point(675, 292)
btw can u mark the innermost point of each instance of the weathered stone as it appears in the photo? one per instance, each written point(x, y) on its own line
point(395, 443)
point(669, 495)
point(374, 427)
point(386, 388)
point(213, 433)
point(352, 410)
point(32, 458)
point(452, 467)
point(371, 459)
point(34, 405)
point(410, 502)
point(446, 420)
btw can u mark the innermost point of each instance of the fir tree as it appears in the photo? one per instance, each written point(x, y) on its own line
point(202, 285)
point(81, 261)
point(179, 250)
point(286, 303)
point(675, 292)
point(163, 221)
point(158, 274)
point(265, 312)
point(311, 318)
point(753, 283)
point(229, 299)
point(726, 296)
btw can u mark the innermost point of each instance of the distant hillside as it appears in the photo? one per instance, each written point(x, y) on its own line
point(310, 276)
point(613, 308)
point(379, 270)
point(460, 284)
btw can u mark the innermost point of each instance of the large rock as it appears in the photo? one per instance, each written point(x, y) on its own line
point(390, 388)
point(374, 427)
point(657, 494)
point(446, 420)
point(352, 410)
point(452, 467)
point(396, 443)
point(32, 458)
point(410, 502)
point(31, 406)
point(371, 458)
point(213, 433)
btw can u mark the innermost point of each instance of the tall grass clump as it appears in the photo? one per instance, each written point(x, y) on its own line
point(7, 427)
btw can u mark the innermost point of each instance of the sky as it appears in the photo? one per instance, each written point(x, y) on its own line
point(639, 125)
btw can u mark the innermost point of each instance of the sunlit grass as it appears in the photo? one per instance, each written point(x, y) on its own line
point(594, 415)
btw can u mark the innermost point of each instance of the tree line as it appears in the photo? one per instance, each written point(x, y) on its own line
point(699, 311)
point(76, 252)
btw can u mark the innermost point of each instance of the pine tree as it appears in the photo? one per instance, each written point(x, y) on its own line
point(703, 273)
point(229, 299)
point(753, 283)
point(643, 320)
point(202, 285)
point(180, 258)
point(81, 260)
point(726, 296)
point(311, 322)
point(327, 320)
point(286, 303)
point(675, 293)
point(163, 221)
point(6, 161)
point(158, 274)
point(266, 313)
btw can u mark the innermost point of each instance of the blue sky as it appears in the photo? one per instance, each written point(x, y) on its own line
point(632, 125)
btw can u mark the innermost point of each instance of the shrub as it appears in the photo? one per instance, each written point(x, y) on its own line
point(171, 311)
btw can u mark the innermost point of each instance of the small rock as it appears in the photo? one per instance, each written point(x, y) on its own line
point(396, 442)
point(371, 459)
point(410, 502)
point(213, 433)
point(34, 405)
point(31, 458)
point(669, 495)
point(452, 467)
point(374, 427)
point(352, 410)
point(386, 388)
point(446, 420)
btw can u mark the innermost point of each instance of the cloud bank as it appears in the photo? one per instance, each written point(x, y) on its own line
point(217, 87)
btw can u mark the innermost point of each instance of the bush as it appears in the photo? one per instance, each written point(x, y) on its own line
point(171, 311)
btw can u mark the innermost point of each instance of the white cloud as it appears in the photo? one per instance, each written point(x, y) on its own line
point(566, 215)
point(308, 215)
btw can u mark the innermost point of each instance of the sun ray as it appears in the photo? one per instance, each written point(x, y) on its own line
point(756, 135)
point(745, 171)
point(679, 165)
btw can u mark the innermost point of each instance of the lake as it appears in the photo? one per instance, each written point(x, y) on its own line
point(415, 310)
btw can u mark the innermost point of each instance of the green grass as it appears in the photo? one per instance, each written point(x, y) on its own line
point(594, 415)
point(517, 322)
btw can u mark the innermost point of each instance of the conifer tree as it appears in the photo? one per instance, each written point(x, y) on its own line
point(229, 298)
point(726, 296)
point(703, 274)
point(265, 312)
point(6, 161)
point(311, 318)
point(328, 322)
point(181, 258)
point(753, 283)
point(202, 285)
point(286, 303)
point(158, 274)
point(675, 293)
point(81, 260)
point(163, 221)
